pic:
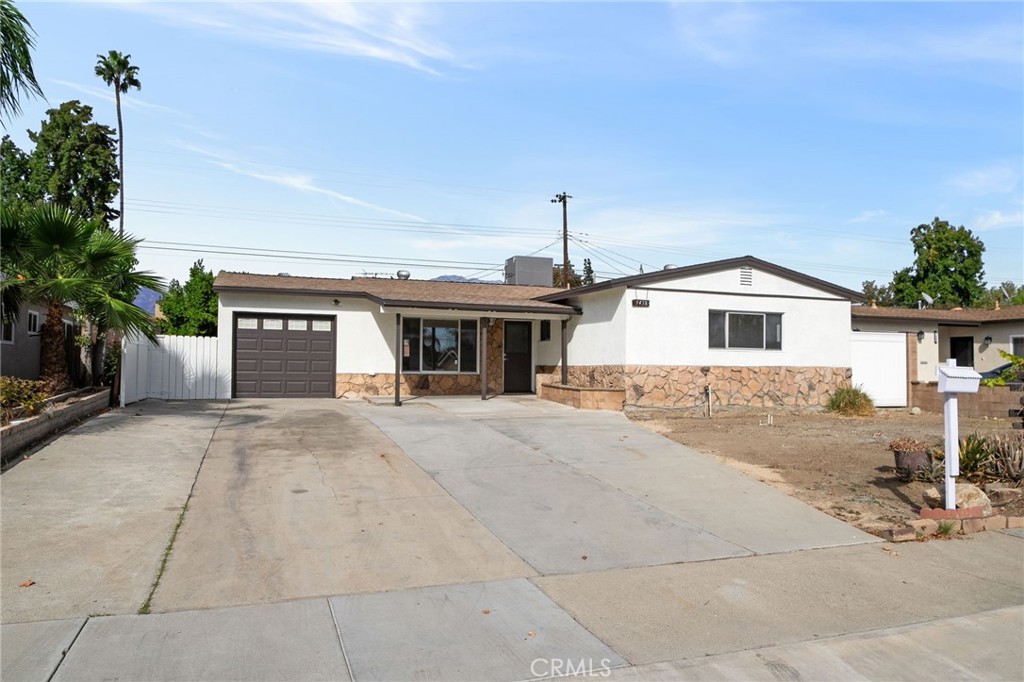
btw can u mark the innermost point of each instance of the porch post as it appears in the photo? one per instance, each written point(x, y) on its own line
point(565, 353)
point(398, 359)
point(483, 357)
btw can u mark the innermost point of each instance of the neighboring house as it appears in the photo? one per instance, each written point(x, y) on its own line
point(972, 336)
point(754, 332)
point(736, 332)
point(20, 343)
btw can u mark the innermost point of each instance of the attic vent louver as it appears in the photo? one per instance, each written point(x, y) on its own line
point(746, 277)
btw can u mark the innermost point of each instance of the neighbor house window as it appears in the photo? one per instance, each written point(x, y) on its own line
point(1017, 346)
point(545, 330)
point(8, 333)
point(33, 322)
point(438, 345)
point(744, 330)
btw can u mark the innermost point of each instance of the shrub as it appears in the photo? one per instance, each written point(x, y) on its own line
point(905, 444)
point(1008, 457)
point(851, 401)
point(21, 395)
point(975, 457)
point(1015, 372)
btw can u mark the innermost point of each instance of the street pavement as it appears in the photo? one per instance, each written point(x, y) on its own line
point(456, 539)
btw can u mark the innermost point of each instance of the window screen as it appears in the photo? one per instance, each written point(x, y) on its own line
point(728, 329)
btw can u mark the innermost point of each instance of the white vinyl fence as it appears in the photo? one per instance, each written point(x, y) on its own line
point(879, 362)
point(179, 368)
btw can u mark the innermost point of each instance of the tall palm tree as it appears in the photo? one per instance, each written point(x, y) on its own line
point(16, 74)
point(54, 258)
point(116, 70)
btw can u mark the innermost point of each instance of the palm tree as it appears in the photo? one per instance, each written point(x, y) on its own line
point(54, 258)
point(115, 70)
point(16, 74)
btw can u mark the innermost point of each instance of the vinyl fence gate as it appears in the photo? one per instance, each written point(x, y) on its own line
point(179, 368)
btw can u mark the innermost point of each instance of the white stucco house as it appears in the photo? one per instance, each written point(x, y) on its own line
point(740, 332)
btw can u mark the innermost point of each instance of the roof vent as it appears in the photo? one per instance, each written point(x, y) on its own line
point(670, 266)
point(284, 274)
point(403, 274)
point(746, 276)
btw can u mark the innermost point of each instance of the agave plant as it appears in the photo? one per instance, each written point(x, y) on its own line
point(1008, 457)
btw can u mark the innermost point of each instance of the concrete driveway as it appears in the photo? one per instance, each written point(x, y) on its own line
point(459, 539)
point(304, 498)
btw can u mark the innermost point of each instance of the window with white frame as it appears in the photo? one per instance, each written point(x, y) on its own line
point(1017, 346)
point(7, 336)
point(742, 329)
point(32, 324)
point(439, 345)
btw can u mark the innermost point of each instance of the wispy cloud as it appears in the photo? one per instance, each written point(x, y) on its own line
point(996, 179)
point(867, 216)
point(733, 34)
point(391, 32)
point(992, 220)
point(106, 94)
point(299, 182)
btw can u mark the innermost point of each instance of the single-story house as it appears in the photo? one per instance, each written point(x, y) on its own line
point(20, 343)
point(289, 336)
point(972, 336)
point(744, 331)
point(926, 338)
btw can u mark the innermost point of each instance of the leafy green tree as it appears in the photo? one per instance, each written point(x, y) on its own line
point(947, 266)
point(17, 78)
point(574, 279)
point(190, 310)
point(53, 257)
point(588, 273)
point(880, 295)
point(116, 70)
point(1006, 293)
point(73, 164)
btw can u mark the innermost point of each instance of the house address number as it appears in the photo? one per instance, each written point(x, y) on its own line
point(641, 303)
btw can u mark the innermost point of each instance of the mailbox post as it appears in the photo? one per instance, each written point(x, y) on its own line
point(954, 380)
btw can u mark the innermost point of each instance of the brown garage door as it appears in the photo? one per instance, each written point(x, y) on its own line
point(283, 356)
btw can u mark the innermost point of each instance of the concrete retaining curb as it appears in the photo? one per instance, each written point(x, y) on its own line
point(16, 437)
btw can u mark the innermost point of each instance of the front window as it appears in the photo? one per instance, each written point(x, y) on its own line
point(761, 331)
point(33, 322)
point(8, 333)
point(1017, 346)
point(439, 345)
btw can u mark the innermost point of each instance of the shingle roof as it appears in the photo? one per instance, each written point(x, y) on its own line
point(407, 293)
point(1012, 313)
point(702, 268)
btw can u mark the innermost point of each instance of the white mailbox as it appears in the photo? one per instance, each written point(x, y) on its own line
point(953, 379)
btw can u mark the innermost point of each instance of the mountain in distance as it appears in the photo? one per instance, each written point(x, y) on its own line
point(460, 278)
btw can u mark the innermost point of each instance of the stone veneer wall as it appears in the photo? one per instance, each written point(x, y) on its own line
point(383, 383)
point(682, 386)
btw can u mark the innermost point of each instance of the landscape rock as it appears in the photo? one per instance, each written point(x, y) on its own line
point(1001, 496)
point(967, 495)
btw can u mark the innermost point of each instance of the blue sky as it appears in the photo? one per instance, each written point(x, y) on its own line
point(432, 137)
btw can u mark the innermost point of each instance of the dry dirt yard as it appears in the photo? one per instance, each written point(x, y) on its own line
point(839, 465)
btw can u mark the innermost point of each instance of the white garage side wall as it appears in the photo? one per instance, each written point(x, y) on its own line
point(598, 336)
point(673, 330)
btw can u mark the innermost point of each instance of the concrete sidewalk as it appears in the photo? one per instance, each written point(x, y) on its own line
point(857, 617)
point(88, 516)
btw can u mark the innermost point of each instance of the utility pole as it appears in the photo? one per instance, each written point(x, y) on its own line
point(563, 199)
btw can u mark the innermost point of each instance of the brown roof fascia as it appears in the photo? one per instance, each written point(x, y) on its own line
point(702, 268)
point(562, 309)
